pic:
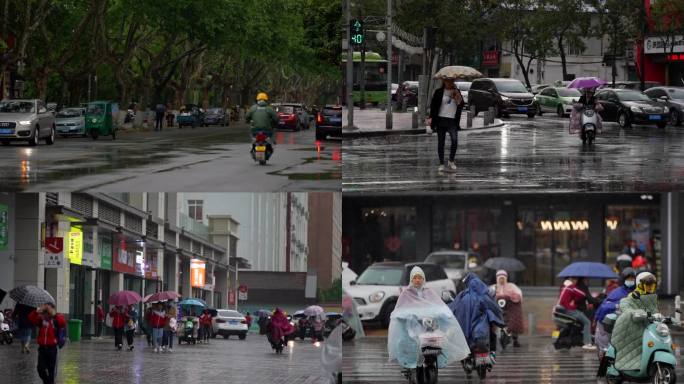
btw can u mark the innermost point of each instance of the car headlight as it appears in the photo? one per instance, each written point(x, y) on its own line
point(376, 297)
point(663, 330)
point(504, 98)
point(635, 109)
point(93, 121)
point(25, 122)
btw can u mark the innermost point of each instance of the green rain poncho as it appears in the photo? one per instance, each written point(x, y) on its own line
point(627, 333)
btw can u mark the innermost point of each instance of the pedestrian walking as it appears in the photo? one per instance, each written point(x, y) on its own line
point(131, 325)
point(20, 317)
point(119, 320)
point(160, 112)
point(170, 327)
point(51, 334)
point(157, 321)
point(445, 117)
point(248, 319)
point(205, 326)
point(100, 318)
point(146, 327)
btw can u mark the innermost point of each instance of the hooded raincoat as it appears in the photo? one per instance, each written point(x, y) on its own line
point(627, 333)
point(403, 341)
point(475, 310)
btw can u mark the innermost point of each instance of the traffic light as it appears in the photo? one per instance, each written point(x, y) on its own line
point(356, 32)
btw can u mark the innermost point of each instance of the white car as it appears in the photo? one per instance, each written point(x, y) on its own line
point(464, 87)
point(347, 275)
point(229, 322)
point(377, 289)
point(26, 120)
point(456, 264)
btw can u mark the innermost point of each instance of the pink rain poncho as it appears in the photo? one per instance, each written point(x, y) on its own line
point(405, 328)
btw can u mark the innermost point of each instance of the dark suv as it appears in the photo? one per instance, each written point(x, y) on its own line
point(507, 96)
point(329, 122)
point(407, 94)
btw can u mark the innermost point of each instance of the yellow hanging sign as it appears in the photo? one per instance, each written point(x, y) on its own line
point(76, 246)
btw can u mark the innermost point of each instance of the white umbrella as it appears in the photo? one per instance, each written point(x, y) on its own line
point(458, 72)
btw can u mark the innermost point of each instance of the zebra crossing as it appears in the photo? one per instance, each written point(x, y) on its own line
point(536, 361)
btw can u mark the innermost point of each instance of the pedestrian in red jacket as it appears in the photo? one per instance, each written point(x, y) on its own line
point(157, 322)
point(119, 320)
point(45, 318)
point(205, 326)
point(100, 319)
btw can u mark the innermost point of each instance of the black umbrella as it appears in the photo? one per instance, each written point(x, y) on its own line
point(508, 264)
point(31, 296)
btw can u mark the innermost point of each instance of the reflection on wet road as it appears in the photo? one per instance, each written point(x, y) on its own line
point(366, 361)
point(525, 155)
point(213, 158)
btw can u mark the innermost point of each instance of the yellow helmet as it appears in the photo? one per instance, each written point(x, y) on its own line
point(262, 96)
point(646, 283)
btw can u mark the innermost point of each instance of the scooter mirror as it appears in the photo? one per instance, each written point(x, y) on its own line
point(446, 297)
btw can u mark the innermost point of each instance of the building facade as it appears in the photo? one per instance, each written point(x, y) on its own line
point(545, 232)
point(325, 234)
point(109, 243)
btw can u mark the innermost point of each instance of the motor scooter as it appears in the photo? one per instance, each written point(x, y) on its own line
point(588, 125)
point(569, 333)
point(431, 342)
point(6, 335)
point(189, 331)
point(658, 359)
point(504, 335)
point(262, 150)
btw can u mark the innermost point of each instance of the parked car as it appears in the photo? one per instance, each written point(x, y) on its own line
point(228, 322)
point(52, 107)
point(557, 99)
point(633, 85)
point(329, 122)
point(26, 120)
point(673, 97)
point(71, 122)
point(377, 289)
point(456, 264)
point(464, 87)
point(506, 96)
point(407, 94)
point(627, 106)
point(395, 86)
point(190, 115)
point(536, 88)
point(216, 116)
point(288, 118)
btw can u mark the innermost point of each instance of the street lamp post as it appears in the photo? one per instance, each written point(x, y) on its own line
point(350, 70)
point(236, 284)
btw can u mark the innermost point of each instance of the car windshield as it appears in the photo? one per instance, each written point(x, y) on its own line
point(17, 107)
point(95, 109)
point(632, 96)
point(675, 93)
point(285, 109)
point(463, 86)
point(511, 87)
point(332, 111)
point(568, 92)
point(447, 260)
point(214, 111)
point(229, 314)
point(381, 276)
point(69, 112)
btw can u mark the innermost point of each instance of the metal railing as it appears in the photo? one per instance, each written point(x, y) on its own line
point(193, 226)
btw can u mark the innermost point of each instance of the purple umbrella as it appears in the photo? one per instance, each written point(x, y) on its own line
point(162, 296)
point(124, 298)
point(586, 82)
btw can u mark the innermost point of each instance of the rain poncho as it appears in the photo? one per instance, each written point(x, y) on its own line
point(331, 356)
point(475, 310)
point(405, 328)
point(628, 333)
point(351, 315)
point(280, 326)
point(509, 291)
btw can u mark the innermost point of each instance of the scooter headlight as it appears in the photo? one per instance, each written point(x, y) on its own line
point(663, 330)
point(376, 297)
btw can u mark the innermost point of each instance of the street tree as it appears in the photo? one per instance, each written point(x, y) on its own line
point(570, 22)
point(667, 23)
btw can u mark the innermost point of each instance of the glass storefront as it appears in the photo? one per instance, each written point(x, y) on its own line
point(470, 229)
point(633, 222)
point(389, 234)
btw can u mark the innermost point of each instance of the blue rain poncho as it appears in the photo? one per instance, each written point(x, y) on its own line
point(475, 310)
point(405, 328)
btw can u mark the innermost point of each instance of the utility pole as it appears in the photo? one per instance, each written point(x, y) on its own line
point(388, 118)
point(644, 31)
point(350, 70)
point(362, 76)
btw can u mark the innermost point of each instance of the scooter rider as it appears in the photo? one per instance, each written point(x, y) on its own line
point(627, 333)
point(569, 297)
point(261, 116)
point(610, 305)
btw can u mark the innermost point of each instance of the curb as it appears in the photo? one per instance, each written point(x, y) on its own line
point(354, 134)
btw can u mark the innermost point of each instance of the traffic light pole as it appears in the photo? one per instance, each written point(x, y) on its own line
point(350, 70)
point(388, 118)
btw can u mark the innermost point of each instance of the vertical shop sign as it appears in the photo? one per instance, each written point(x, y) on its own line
point(4, 227)
point(76, 246)
point(197, 271)
point(105, 253)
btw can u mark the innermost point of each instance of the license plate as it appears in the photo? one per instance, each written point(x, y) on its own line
point(260, 148)
point(6, 131)
point(335, 120)
point(234, 322)
point(654, 117)
point(482, 355)
point(522, 109)
point(4, 124)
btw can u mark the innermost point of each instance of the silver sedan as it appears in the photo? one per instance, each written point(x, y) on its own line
point(26, 120)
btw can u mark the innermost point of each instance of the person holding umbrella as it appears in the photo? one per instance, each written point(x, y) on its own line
point(27, 297)
point(513, 314)
point(20, 317)
point(205, 326)
point(157, 321)
point(49, 322)
point(570, 296)
point(131, 325)
point(445, 116)
point(119, 320)
point(588, 86)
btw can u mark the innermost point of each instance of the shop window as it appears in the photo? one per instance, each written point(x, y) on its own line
point(475, 230)
point(641, 224)
point(548, 241)
point(385, 233)
point(195, 210)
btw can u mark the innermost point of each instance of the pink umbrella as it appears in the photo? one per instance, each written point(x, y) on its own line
point(124, 298)
point(163, 296)
point(586, 82)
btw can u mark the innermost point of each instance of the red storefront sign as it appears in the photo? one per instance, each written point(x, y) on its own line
point(123, 258)
point(490, 58)
point(231, 297)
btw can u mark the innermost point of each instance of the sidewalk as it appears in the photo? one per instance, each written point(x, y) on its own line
point(371, 122)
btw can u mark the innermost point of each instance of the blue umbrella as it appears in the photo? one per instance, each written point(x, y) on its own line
point(588, 269)
point(193, 302)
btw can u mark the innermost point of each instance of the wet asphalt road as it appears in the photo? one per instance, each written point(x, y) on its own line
point(203, 159)
point(536, 361)
point(526, 155)
point(234, 361)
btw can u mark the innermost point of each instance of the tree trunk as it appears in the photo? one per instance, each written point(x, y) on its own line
point(561, 52)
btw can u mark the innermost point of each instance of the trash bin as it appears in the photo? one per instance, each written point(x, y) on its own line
point(74, 329)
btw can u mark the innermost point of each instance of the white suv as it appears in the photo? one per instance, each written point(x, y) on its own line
point(377, 289)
